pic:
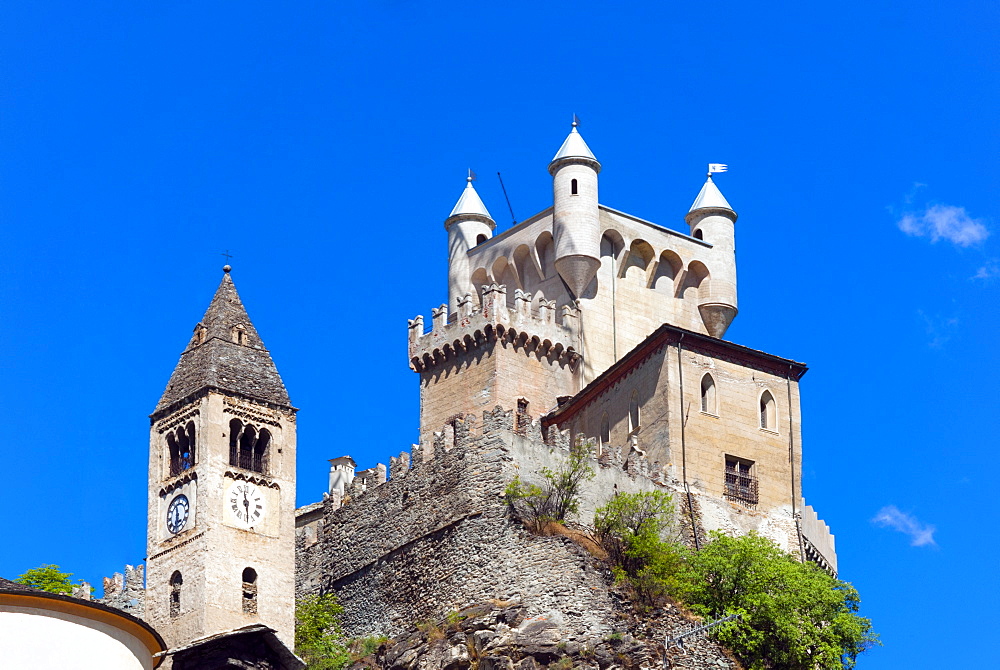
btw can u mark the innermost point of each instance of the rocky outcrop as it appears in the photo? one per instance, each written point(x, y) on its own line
point(501, 636)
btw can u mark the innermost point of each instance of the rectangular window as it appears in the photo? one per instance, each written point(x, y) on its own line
point(741, 481)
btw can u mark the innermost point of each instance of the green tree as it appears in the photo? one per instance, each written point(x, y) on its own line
point(559, 496)
point(319, 640)
point(48, 578)
point(794, 615)
point(637, 532)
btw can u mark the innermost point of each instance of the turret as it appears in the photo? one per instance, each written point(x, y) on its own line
point(576, 228)
point(468, 224)
point(713, 220)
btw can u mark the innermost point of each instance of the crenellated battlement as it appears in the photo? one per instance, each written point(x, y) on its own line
point(534, 324)
point(402, 549)
point(124, 592)
point(817, 540)
point(527, 446)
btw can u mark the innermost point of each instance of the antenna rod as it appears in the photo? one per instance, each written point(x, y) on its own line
point(513, 218)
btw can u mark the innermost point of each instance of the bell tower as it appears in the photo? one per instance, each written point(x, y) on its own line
point(221, 526)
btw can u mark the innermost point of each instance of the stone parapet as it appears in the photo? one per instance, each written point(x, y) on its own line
point(539, 328)
point(124, 592)
point(817, 539)
point(439, 535)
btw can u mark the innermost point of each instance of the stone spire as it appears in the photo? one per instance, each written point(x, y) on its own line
point(710, 197)
point(226, 353)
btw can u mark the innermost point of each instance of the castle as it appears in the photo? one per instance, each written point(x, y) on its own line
point(581, 323)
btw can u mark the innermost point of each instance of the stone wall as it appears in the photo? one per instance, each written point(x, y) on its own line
point(124, 592)
point(439, 536)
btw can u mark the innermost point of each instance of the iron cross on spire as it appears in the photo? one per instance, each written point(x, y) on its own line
point(227, 267)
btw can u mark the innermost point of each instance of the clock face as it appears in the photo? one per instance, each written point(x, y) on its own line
point(246, 504)
point(177, 514)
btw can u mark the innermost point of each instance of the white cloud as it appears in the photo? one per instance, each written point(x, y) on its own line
point(945, 222)
point(988, 271)
point(891, 517)
point(938, 328)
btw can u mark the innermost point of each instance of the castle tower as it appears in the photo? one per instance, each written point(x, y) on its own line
point(576, 227)
point(713, 220)
point(468, 224)
point(221, 526)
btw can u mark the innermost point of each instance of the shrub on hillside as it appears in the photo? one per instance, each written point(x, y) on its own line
point(636, 532)
point(558, 496)
point(794, 616)
point(318, 637)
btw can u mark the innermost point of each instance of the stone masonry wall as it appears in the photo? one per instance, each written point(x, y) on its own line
point(438, 537)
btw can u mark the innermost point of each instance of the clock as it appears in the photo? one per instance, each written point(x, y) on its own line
point(177, 513)
point(245, 502)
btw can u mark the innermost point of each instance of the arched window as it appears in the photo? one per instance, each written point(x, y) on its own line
point(768, 411)
point(249, 591)
point(698, 235)
point(175, 593)
point(180, 445)
point(605, 432)
point(248, 449)
point(633, 412)
point(573, 188)
point(709, 403)
point(240, 334)
point(260, 450)
point(481, 238)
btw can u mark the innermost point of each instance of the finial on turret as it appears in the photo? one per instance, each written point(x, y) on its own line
point(472, 176)
point(227, 268)
point(576, 121)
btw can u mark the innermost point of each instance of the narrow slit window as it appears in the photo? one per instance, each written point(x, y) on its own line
point(709, 402)
point(573, 188)
point(175, 594)
point(768, 411)
point(249, 591)
point(633, 412)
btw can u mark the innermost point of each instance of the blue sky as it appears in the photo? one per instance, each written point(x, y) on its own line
point(324, 144)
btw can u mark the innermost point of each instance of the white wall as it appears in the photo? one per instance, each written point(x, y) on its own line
point(39, 639)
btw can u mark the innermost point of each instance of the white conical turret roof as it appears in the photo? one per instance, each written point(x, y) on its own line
point(470, 203)
point(574, 147)
point(710, 197)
